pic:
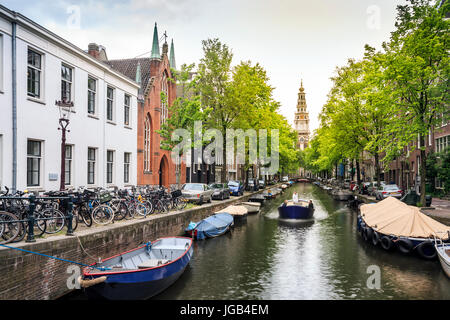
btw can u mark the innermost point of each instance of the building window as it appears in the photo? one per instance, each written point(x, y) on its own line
point(68, 166)
point(66, 83)
point(110, 104)
point(92, 92)
point(91, 165)
point(34, 156)
point(34, 74)
point(109, 166)
point(164, 102)
point(442, 143)
point(147, 141)
point(126, 109)
point(126, 167)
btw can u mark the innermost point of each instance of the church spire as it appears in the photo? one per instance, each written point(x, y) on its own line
point(155, 48)
point(172, 56)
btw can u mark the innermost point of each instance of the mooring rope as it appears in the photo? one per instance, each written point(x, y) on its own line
point(56, 258)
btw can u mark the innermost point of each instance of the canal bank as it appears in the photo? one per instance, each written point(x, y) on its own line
point(25, 276)
point(325, 258)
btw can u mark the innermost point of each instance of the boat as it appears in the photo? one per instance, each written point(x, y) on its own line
point(257, 198)
point(252, 207)
point(211, 227)
point(239, 213)
point(303, 180)
point(443, 253)
point(284, 186)
point(300, 210)
point(342, 195)
point(394, 224)
point(268, 195)
point(138, 274)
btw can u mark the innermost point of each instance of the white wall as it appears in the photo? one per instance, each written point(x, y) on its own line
point(38, 120)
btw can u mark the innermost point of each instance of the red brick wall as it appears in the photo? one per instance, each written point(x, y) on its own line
point(152, 106)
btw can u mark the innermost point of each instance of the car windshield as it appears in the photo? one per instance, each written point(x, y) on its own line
point(216, 186)
point(193, 187)
point(233, 184)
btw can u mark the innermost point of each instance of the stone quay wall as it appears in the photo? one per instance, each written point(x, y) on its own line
point(26, 276)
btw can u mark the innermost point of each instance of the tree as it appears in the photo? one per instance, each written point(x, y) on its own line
point(212, 85)
point(416, 70)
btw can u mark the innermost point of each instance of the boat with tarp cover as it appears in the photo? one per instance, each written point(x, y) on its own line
point(211, 227)
point(392, 224)
point(138, 274)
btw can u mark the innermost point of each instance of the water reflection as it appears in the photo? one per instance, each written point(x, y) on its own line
point(267, 258)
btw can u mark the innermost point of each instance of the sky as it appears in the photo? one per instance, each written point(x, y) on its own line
point(293, 40)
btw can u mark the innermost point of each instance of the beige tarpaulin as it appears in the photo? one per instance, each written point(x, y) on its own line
point(393, 217)
point(235, 210)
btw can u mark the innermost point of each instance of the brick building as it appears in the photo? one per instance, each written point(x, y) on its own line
point(154, 165)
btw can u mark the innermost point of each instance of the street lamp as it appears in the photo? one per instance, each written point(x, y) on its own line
point(65, 109)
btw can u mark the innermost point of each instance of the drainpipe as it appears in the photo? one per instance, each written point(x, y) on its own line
point(14, 107)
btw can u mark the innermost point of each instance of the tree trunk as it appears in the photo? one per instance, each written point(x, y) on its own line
point(377, 168)
point(423, 176)
point(224, 162)
point(358, 173)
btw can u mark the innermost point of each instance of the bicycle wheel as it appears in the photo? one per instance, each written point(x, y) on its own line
point(120, 209)
point(40, 226)
point(74, 221)
point(9, 229)
point(180, 203)
point(84, 214)
point(56, 220)
point(141, 210)
point(103, 214)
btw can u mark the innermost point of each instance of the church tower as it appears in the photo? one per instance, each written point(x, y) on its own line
point(302, 120)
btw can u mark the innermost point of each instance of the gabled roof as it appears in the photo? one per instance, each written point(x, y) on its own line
point(129, 67)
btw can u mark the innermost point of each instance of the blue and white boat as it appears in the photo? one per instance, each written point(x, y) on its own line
point(139, 274)
point(300, 210)
point(211, 227)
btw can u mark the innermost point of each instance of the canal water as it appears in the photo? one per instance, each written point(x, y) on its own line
point(266, 258)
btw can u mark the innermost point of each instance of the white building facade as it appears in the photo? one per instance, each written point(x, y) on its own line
point(38, 68)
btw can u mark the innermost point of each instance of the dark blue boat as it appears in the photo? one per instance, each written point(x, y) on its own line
point(211, 227)
point(298, 211)
point(140, 273)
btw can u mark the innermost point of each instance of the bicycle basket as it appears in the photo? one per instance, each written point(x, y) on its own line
point(105, 197)
point(176, 193)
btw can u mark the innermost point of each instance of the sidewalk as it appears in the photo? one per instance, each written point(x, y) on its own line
point(441, 210)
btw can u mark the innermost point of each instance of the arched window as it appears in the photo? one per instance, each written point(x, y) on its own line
point(164, 102)
point(147, 141)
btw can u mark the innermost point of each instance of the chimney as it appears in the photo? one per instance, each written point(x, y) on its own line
point(94, 50)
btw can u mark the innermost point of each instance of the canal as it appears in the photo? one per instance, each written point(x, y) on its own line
point(266, 258)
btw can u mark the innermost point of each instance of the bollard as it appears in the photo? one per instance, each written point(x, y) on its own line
point(69, 214)
point(31, 219)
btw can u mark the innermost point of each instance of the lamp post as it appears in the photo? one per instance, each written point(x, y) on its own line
point(65, 109)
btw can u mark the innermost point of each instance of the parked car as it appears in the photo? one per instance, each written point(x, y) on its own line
point(252, 185)
point(197, 192)
point(236, 188)
point(388, 190)
point(220, 191)
point(262, 184)
point(374, 187)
